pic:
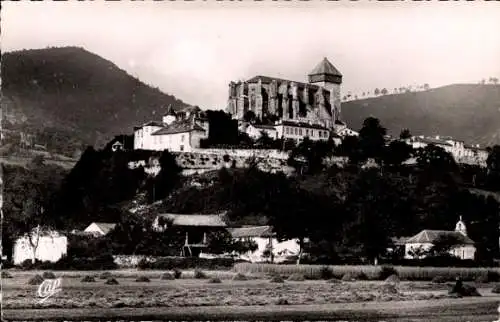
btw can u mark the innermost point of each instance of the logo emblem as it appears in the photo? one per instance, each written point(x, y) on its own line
point(48, 288)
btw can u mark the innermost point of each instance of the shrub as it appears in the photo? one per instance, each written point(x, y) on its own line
point(36, 280)
point(239, 277)
point(493, 276)
point(6, 274)
point(111, 281)
point(48, 275)
point(177, 273)
point(386, 272)
point(88, 279)
point(143, 279)
point(199, 274)
point(296, 277)
point(326, 273)
point(277, 279)
point(167, 276)
point(215, 280)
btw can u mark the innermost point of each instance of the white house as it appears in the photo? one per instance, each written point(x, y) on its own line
point(424, 241)
point(100, 228)
point(299, 130)
point(176, 133)
point(266, 240)
point(255, 131)
point(41, 245)
point(461, 152)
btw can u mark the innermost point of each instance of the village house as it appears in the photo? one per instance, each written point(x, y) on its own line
point(195, 226)
point(44, 245)
point(268, 246)
point(461, 152)
point(424, 241)
point(99, 229)
point(255, 131)
point(178, 132)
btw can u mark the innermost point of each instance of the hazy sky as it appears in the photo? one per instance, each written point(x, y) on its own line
point(194, 49)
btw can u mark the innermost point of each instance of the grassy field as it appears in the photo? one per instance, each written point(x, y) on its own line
point(255, 297)
point(256, 290)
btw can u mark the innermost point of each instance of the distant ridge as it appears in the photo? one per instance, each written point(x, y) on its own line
point(71, 95)
point(469, 112)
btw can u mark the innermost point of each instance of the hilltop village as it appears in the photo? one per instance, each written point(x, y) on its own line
point(279, 110)
point(240, 182)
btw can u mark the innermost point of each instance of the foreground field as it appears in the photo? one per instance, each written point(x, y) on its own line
point(258, 290)
point(444, 310)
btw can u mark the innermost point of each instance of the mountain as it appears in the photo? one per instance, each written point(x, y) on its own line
point(468, 112)
point(68, 97)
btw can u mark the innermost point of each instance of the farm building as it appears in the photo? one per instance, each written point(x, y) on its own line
point(196, 228)
point(41, 245)
point(100, 228)
point(464, 246)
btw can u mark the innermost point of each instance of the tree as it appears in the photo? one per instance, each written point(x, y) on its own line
point(397, 153)
point(162, 184)
point(249, 117)
point(308, 156)
point(494, 80)
point(384, 91)
point(493, 160)
point(264, 140)
point(372, 139)
point(221, 242)
point(405, 134)
point(376, 92)
point(426, 87)
point(435, 159)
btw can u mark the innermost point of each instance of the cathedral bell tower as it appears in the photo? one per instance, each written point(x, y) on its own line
point(327, 76)
point(460, 227)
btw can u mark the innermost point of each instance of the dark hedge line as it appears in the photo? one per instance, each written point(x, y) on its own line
point(169, 263)
point(104, 262)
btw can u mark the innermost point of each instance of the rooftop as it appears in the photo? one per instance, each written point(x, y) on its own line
point(430, 236)
point(199, 220)
point(325, 68)
point(179, 127)
point(253, 231)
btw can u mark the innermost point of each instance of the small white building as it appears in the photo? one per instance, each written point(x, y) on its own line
point(255, 131)
point(176, 133)
point(100, 228)
point(45, 245)
point(266, 240)
point(425, 240)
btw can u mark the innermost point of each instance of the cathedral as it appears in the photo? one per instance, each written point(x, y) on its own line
point(278, 100)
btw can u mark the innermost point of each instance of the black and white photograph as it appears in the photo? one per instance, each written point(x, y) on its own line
point(250, 161)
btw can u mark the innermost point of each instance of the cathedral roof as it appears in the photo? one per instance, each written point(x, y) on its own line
point(268, 80)
point(325, 68)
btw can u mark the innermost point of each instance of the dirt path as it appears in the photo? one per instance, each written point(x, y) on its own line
point(456, 310)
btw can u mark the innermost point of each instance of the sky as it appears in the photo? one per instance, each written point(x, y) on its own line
point(194, 49)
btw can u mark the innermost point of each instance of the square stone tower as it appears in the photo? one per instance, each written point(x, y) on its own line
point(328, 77)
